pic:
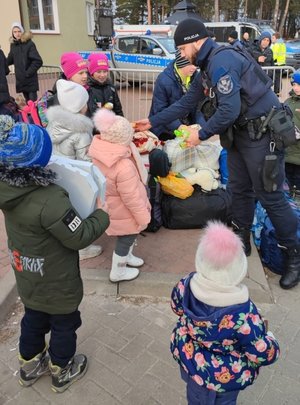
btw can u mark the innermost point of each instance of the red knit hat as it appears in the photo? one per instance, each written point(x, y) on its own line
point(97, 61)
point(72, 63)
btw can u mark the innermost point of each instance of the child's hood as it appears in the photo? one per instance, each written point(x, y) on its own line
point(202, 312)
point(108, 153)
point(17, 183)
point(63, 123)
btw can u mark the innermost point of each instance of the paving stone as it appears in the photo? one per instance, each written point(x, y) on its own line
point(137, 345)
point(140, 366)
point(114, 361)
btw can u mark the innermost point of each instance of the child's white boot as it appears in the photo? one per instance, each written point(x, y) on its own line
point(119, 270)
point(133, 260)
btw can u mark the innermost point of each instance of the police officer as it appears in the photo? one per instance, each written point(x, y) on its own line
point(243, 98)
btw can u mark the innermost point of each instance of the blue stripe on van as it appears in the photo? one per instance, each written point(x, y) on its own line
point(141, 60)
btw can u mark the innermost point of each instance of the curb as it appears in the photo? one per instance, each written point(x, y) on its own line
point(148, 284)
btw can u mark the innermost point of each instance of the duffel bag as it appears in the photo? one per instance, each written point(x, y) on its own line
point(196, 210)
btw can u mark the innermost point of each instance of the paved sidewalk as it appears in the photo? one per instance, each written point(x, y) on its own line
point(127, 342)
point(127, 326)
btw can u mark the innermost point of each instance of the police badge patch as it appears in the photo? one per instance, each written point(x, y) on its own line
point(225, 84)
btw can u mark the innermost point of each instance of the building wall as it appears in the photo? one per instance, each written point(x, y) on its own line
point(9, 13)
point(72, 35)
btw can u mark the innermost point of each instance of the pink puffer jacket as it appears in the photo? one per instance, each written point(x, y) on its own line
point(128, 205)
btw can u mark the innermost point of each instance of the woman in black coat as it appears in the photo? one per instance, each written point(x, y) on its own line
point(26, 59)
point(4, 92)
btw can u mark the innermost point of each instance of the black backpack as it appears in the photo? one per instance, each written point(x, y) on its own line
point(159, 165)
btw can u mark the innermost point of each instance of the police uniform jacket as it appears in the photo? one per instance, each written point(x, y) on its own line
point(235, 84)
point(232, 80)
point(44, 235)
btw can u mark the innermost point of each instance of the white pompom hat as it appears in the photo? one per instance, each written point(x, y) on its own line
point(220, 256)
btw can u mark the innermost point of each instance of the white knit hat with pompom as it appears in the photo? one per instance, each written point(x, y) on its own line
point(113, 128)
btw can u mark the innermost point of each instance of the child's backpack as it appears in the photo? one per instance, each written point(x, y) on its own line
point(159, 165)
point(155, 196)
point(34, 112)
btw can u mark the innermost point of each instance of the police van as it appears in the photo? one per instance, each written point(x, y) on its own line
point(223, 29)
point(138, 52)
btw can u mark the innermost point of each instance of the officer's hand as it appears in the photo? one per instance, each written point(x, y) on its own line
point(193, 138)
point(142, 125)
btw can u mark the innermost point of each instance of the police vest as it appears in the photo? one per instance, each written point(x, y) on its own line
point(254, 81)
point(279, 53)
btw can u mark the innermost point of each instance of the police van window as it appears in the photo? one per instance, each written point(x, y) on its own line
point(128, 45)
point(122, 45)
point(252, 33)
point(221, 33)
point(147, 46)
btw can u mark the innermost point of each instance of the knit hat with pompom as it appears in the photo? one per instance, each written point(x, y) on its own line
point(220, 255)
point(113, 128)
point(23, 145)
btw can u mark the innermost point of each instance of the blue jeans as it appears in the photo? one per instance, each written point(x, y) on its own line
point(198, 395)
point(62, 346)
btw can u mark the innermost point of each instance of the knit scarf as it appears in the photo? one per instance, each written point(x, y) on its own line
point(210, 293)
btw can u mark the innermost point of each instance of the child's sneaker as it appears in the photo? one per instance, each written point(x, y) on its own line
point(62, 378)
point(32, 370)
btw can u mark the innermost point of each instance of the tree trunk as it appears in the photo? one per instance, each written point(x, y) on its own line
point(260, 12)
point(217, 12)
point(282, 22)
point(275, 17)
point(149, 10)
point(246, 9)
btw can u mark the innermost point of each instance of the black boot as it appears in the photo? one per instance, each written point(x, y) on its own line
point(244, 234)
point(291, 276)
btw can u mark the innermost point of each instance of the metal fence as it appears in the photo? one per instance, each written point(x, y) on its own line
point(135, 87)
point(47, 77)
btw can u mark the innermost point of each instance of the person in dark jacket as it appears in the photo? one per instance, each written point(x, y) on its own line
point(44, 234)
point(27, 61)
point(170, 86)
point(8, 105)
point(233, 37)
point(245, 41)
point(262, 52)
point(102, 93)
point(4, 71)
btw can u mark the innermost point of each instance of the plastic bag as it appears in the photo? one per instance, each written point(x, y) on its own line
point(176, 185)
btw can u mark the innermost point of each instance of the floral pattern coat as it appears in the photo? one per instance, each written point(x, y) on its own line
point(221, 348)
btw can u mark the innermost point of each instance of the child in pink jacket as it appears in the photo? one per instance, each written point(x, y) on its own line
point(128, 206)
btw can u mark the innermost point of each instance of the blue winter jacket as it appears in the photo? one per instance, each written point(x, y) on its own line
point(220, 348)
point(166, 92)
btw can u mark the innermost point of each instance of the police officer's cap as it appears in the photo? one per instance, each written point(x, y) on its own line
point(189, 30)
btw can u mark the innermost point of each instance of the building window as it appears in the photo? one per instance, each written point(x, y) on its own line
point(90, 8)
point(43, 16)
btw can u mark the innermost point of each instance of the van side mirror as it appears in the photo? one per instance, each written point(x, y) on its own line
point(157, 51)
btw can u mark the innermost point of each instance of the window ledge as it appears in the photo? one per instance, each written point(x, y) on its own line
point(48, 32)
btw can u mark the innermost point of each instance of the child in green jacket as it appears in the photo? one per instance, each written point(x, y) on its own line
point(44, 234)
